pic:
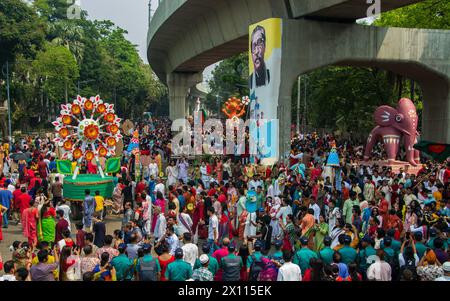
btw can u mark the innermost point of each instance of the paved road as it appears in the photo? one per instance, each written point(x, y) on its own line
point(14, 233)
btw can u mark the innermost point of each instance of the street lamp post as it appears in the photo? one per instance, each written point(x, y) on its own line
point(9, 105)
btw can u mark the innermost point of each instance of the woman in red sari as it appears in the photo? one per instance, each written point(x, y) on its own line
point(242, 220)
point(198, 216)
point(29, 223)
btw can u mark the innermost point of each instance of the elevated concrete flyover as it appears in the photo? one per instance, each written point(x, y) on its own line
point(419, 54)
point(185, 36)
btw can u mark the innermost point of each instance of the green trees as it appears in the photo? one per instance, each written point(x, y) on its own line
point(432, 14)
point(53, 59)
point(21, 31)
point(229, 78)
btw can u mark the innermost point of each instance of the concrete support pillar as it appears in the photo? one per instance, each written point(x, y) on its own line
point(436, 111)
point(179, 84)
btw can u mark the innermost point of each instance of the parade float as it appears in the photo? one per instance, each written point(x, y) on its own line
point(395, 127)
point(88, 131)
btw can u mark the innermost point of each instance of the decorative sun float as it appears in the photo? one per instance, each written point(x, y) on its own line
point(87, 129)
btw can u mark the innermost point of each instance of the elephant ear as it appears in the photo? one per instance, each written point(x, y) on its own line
point(385, 115)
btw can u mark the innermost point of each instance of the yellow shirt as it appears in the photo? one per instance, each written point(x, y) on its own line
point(438, 197)
point(99, 202)
point(50, 260)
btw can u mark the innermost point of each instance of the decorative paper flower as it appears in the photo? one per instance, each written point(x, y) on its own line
point(111, 141)
point(102, 151)
point(66, 119)
point(77, 153)
point(68, 145)
point(113, 128)
point(101, 108)
point(89, 155)
point(63, 133)
point(76, 109)
point(91, 132)
point(88, 105)
point(110, 117)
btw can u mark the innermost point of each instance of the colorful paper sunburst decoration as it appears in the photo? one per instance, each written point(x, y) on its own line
point(87, 128)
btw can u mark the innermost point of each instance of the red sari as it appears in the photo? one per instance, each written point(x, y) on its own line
point(199, 214)
point(29, 225)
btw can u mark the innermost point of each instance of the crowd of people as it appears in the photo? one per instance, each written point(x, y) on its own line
point(222, 219)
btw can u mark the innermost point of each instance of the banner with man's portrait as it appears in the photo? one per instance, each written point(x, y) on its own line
point(264, 82)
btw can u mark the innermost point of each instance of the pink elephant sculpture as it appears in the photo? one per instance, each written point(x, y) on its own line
point(393, 125)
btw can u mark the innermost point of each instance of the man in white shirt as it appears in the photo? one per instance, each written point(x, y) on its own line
point(11, 187)
point(160, 226)
point(9, 269)
point(250, 226)
point(172, 240)
point(153, 169)
point(160, 187)
point(289, 271)
point(380, 270)
point(213, 228)
point(67, 211)
point(316, 209)
point(190, 251)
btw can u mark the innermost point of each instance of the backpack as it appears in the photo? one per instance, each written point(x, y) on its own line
point(147, 270)
point(269, 273)
point(256, 268)
point(393, 262)
point(409, 265)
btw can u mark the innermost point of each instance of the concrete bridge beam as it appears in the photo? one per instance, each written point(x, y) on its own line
point(179, 85)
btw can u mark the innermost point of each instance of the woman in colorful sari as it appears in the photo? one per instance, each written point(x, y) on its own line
point(117, 198)
point(321, 230)
point(225, 224)
point(275, 222)
point(47, 224)
point(307, 225)
point(242, 219)
point(161, 203)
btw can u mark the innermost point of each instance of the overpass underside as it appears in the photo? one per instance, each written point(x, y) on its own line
point(316, 34)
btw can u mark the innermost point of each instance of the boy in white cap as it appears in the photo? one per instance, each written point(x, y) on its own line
point(202, 273)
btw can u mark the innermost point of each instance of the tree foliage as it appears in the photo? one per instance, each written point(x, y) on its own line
point(229, 78)
point(51, 56)
point(432, 14)
point(21, 31)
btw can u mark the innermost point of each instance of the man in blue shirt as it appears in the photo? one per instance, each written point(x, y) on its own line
point(257, 255)
point(179, 270)
point(304, 255)
point(420, 246)
point(326, 254)
point(348, 253)
point(88, 209)
point(5, 200)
